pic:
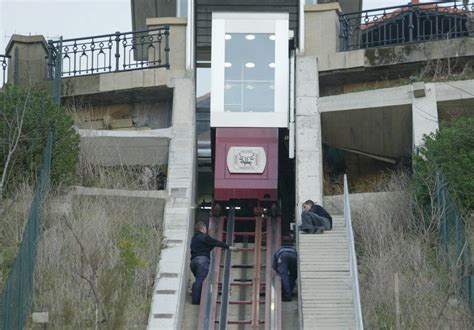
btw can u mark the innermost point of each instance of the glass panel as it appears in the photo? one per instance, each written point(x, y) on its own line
point(182, 8)
point(249, 79)
point(203, 93)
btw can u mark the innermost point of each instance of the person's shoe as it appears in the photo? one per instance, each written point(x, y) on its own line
point(286, 299)
point(304, 232)
point(320, 230)
point(195, 303)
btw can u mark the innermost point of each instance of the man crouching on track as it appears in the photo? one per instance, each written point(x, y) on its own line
point(285, 264)
point(201, 247)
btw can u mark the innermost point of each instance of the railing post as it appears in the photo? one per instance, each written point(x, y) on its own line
point(167, 46)
point(58, 68)
point(410, 22)
point(117, 50)
point(50, 59)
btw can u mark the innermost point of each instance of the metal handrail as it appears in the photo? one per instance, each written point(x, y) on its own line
point(352, 257)
point(404, 24)
point(223, 315)
point(110, 52)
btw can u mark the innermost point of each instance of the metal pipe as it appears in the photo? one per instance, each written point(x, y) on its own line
point(190, 36)
point(256, 274)
point(301, 29)
point(268, 274)
point(227, 266)
point(352, 258)
point(292, 132)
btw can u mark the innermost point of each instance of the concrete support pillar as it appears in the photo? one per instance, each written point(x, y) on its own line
point(28, 63)
point(309, 160)
point(177, 39)
point(322, 31)
point(424, 112)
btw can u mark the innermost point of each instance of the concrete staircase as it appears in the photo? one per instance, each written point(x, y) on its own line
point(326, 286)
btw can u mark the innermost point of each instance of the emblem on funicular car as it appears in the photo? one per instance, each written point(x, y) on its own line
point(246, 159)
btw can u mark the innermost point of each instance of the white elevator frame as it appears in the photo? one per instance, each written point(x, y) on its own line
point(275, 23)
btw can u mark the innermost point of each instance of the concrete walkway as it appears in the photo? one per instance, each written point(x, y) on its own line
point(326, 287)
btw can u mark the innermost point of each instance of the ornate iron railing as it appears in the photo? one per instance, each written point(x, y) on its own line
point(4, 61)
point(110, 52)
point(406, 24)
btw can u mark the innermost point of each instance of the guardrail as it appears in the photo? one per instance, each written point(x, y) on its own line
point(110, 52)
point(4, 61)
point(16, 297)
point(405, 24)
point(352, 257)
point(454, 242)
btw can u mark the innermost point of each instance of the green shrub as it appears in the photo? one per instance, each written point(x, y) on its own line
point(449, 151)
point(40, 114)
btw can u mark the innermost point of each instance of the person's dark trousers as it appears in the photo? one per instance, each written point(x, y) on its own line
point(200, 268)
point(287, 269)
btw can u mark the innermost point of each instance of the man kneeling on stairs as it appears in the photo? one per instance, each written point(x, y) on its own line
point(201, 247)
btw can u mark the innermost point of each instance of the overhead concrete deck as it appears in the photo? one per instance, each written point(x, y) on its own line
point(391, 122)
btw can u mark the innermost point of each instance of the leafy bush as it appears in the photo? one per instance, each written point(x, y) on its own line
point(449, 151)
point(27, 114)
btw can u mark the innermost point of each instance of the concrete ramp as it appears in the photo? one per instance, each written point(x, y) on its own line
point(326, 285)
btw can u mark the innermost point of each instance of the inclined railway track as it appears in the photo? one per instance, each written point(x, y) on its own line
point(241, 290)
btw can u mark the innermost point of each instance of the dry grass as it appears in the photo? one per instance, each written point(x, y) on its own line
point(135, 177)
point(391, 243)
point(386, 180)
point(13, 215)
point(95, 267)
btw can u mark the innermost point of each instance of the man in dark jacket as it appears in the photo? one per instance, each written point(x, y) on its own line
point(314, 218)
point(201, 247)
point(285, 264)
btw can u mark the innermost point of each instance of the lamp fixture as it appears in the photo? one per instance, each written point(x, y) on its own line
point(250, 37)
point(228, 37)
point(227, 64)
point(250, 65)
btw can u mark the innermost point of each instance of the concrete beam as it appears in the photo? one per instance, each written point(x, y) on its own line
point(445, 91)
point(386, 97)
point(454, 90)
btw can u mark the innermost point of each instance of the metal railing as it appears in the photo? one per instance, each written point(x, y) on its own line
point(4, 61)
point(453, 242)
point(352, 257)
point(110, 52)
point(405, 24)
point(16, 297)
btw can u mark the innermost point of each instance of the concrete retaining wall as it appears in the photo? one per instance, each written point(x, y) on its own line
point(360, 201)
point(110, 148)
